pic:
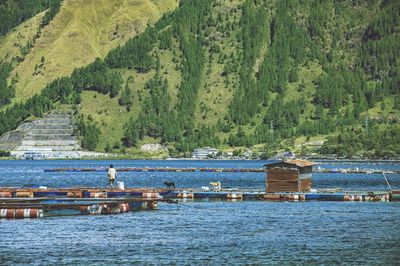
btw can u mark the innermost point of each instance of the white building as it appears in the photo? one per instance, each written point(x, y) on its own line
point(203, 153)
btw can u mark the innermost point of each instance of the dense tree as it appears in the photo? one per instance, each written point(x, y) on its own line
point(165, 38)
point(379, 142)
point(295, 68)
point(126, 98)
point(380, 51)
point(14, 12)
point(135, 53)
point(130, 134)
point(254, 33)
point(97, 77)
point(54, 7)
point(89, 133)
point(6, 92)
point(155, 112)
point(189, 21)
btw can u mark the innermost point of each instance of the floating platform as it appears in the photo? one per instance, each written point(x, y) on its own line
point(37, 203)
point(49, 208)
point(160, 194)
point(216, 170)
point(18, 203)
point(157, 169)
point(17, 208)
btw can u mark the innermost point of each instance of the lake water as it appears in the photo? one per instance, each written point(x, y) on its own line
point(205, 233)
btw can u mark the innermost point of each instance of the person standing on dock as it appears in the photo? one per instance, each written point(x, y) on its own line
point(112, 174)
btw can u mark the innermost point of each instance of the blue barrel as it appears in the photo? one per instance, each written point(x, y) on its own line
point(50, 193)
point(116, 194)
point(324, 197)
point(168, 194)
point(133, 194)
point(210, 195)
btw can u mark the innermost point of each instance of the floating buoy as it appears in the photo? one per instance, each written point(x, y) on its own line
point(6, 194)
point(95, 209)
point(21, 213)
point(369, 198)
point(274, 197)
point(149, 205)
point(353, 197)
point(185, 195)
point(7, 213)
point(286, 197)
point(385, 197)
point(28, 213)
point(24, 194)
point(123, 207)
point(234, 196)
point(150, 195)
point(98, 194)
point(74, 194)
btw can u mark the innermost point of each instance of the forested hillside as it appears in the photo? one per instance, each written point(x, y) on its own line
point(252, 73)
point(13, 13)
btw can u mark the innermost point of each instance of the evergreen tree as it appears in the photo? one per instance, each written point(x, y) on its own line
point(6, 92)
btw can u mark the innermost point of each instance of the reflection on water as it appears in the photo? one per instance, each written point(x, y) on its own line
point(204, 232)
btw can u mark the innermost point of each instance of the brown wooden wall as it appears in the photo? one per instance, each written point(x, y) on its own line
point(287, 180)
point(305, 185)
point(279, 174)
point(282, 186)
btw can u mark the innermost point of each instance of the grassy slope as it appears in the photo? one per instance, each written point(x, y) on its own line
point(170, 72)
point(82, 31)
point(18, 37)
point(111, 117)
point(214, 96)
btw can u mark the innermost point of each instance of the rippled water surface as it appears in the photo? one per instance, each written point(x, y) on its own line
point(205, 233)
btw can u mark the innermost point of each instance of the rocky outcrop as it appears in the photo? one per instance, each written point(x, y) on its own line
point(11, 140)
point(153, 147)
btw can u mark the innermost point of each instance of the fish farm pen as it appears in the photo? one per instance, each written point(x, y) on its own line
point(217, 170)
point(285, 181)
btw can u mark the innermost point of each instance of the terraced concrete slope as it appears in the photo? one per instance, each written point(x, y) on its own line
point(82, 31)
point(51, 136)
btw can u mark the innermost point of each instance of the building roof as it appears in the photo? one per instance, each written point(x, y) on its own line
point(297, 162)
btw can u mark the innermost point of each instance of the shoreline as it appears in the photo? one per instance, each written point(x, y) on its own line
point(114, 158)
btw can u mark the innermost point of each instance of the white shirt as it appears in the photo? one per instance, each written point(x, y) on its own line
point(112, 173)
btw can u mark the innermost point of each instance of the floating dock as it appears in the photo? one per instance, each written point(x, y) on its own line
point(216, 170)
point(158, 169)
point(160, 194)
point(18, 203)
point(60, 207)
point(285, 181)
point(37, 203)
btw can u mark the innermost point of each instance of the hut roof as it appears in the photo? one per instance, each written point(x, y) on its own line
point(301, 163)
point(298, 163)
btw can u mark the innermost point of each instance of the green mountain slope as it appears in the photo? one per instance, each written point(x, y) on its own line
point(78, 34)
point(225, 73)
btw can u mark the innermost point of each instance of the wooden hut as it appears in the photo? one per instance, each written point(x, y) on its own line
point(289, 176)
